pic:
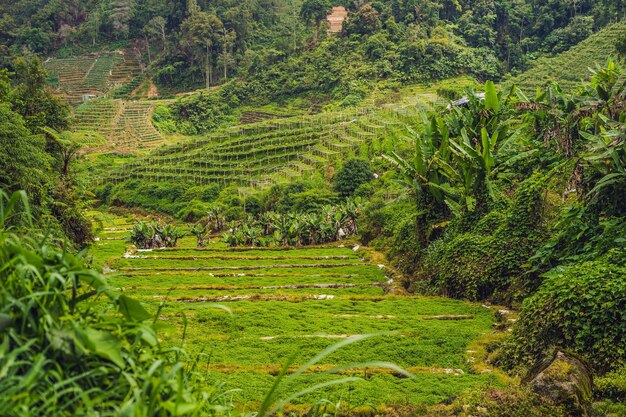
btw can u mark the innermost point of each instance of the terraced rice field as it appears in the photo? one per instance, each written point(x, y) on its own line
point(286, 302)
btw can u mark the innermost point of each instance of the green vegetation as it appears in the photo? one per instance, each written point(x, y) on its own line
point(255, 156)
point(318, 295)
point(572, 66)
point(573, 304)
point(35, 157)
point(155, 235)
point(322, 224)
point(60, 354)
point(416, 210)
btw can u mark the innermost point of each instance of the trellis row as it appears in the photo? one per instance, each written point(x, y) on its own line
point(269, 152)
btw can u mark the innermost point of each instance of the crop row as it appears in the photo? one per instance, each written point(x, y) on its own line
point(572, 66)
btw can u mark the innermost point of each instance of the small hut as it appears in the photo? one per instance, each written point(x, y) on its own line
point(336, 18)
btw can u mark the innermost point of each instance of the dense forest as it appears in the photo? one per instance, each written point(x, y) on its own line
point(191, 43)
point(224, 208)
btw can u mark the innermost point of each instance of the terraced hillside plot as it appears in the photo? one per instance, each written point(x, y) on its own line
point(127, 125)
point(134, 126)
point(270, 152)
point(92, 75)
point(572, 66)
point(97, 115)
point(285, 302)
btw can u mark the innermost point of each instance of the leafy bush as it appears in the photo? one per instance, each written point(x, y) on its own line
point(491, 402)
point(449, 93)
point(612, 385)
point(173, 198)
point(488, 257)
point(203, 112)
point(163, 119)
point(581, 308)
point(205, 193)
point(353, 174)
point(192, 211)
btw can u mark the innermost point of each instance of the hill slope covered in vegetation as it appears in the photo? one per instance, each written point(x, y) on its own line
point(571, 67)
point(218, 208)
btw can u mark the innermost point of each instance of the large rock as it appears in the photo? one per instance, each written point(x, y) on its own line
point(563, 380)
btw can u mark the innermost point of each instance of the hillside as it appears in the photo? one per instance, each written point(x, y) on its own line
point(571, 67)
point(261, 154)
point(222, 208)
point(265, 153)
point(126, 125)
point(87, 76)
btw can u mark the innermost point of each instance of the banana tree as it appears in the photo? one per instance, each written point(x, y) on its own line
point(483, 144)
point(423, 174)
point(201, 232)
point(141, 235)
point(488, 110)
point(265, 222)
point(296, 229)
point(552, 117)
point(282, 225)
point(339, 219)
point(312, 227)
point(251, 234)
point(352, 209)
point(473, 168)
point(170, 235)
point(606, 92)
point(606, 155)
point(215, 216)
point(327, 230)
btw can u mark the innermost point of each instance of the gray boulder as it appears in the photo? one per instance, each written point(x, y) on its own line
point(563, 380)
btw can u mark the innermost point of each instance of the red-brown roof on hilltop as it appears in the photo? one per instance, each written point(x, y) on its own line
point(336, 19)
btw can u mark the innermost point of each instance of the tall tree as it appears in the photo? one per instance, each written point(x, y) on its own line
point(201, 37)
point(24, 163)
point(32, 98)
point(120, 15)
point(314, 12)
point(227, 58)
point(92, 25)
point(156, 28)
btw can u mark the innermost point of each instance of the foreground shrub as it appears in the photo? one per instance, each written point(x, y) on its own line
point(61, 356)
point(612, 385)
point(581, 308)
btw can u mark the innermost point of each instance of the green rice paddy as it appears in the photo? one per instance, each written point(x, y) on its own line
point(243, 312)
